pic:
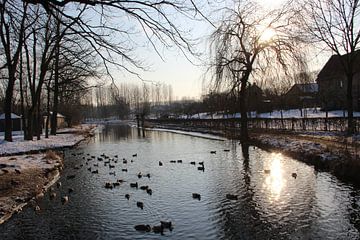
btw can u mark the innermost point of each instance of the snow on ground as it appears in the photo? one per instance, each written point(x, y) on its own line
point(292, 113)
point(19, 145)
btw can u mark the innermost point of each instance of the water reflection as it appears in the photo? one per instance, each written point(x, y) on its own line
point(270, 205)
point(274, 181)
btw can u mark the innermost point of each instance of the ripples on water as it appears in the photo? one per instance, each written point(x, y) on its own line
point(270, 206)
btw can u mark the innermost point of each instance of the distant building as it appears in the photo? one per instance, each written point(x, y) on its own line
point(255, 98)
point(302, 95)
point(333, 83)
point(15, 120)
point(60, 120)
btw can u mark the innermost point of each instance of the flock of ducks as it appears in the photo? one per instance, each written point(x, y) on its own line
point(106, 160)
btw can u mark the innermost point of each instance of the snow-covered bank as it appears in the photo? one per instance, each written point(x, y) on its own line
point(25, 179)
point(67, 137)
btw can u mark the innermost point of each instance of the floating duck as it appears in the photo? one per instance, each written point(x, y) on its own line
point(201, 163)
point(124, 170)
point(127, 196)
point(116, 156)
point(144, 187)
point(172, 161)
point(196, 196)
point(116, 184)
point(213, 152)
point(147, 175)
point(125, 161)
point(108, 185)
point(149, 191)
point(134, 155)
point(64, 199)
point(112, 173)
point(193, 163)
point(139, 175)
point(166, 224)
point(201, 169)
point(158, 229)
point(140, 205)
point(160, 163)
point(58, 184)
point(267, 171)
point(226, 150)
point(179, 161)
point(294, 175)
point(70, 190)
point(111, 166)
point(231, 197)
point(52, 195)
point(95, 171)
point(134, 185)
point(143, 228)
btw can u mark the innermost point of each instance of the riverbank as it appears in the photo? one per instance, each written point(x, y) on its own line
point(29, 168)
point(326, 151)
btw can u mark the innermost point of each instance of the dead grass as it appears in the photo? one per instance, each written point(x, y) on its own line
point(51, 155)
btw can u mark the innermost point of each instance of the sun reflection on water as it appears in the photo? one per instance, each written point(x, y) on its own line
point(274, 181)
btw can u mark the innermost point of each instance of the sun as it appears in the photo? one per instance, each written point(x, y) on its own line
point(267, 34)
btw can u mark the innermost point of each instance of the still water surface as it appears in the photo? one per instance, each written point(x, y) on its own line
point(275, 205)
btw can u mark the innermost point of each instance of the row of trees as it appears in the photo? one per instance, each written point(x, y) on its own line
point(251, 42)
point(50, 49)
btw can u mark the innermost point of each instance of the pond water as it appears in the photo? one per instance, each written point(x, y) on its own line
point(271, 204)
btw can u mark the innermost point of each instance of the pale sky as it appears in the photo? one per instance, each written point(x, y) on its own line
point(185, 78)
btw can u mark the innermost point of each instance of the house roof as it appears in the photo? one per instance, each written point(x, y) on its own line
point(58, 115)
point(13, 116)
point(308, 87)
point(334, 67)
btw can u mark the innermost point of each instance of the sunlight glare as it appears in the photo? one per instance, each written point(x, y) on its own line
point(267, 34)
point(275, 181)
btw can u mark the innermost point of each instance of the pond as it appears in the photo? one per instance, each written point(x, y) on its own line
point(277, 196)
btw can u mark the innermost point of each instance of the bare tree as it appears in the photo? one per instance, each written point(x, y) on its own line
point(335, 24)
point(12, 33)
point(249, 41)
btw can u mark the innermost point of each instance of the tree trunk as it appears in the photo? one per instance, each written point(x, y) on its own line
point(56, 83)
point(349, 99)
point(244, 135)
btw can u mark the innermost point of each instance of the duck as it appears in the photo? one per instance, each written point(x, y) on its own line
point(127, 196)
point(58, 184)
point(201, 168)
point(140, 205)
point(116, 184)
point(89, 169)
point(96, 164)
point(226, 150)
point(124, 161)
point(166, 224)
point(294, 175)
point(201, 163)
point(112, 173)
point(134, 185)
point(111, 166)
point(17, 171)
point(196, 196)
point(158, 229)
point(213, 152)
point(139, 175)
point(70, 190)
point(115, 156)
point(179, 161)
point(134, 155)
point(52, 195)
point(192, 163)
point(149, 191)
point(147, 175)
point(64, 199)
point(172, 161)
point(144, 187)
point(120, 180)
point(160, 163)
point(108, 185)
point(143, 228)
point(99, 159)
point(267, 171)
point(124, 170)
point(95, 171)
point(231, 196)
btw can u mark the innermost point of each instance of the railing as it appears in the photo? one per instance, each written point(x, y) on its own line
point(294, 124)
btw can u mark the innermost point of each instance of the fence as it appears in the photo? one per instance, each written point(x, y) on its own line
point(294, 124)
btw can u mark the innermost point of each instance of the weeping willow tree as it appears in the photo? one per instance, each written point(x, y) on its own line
point(250, 43)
